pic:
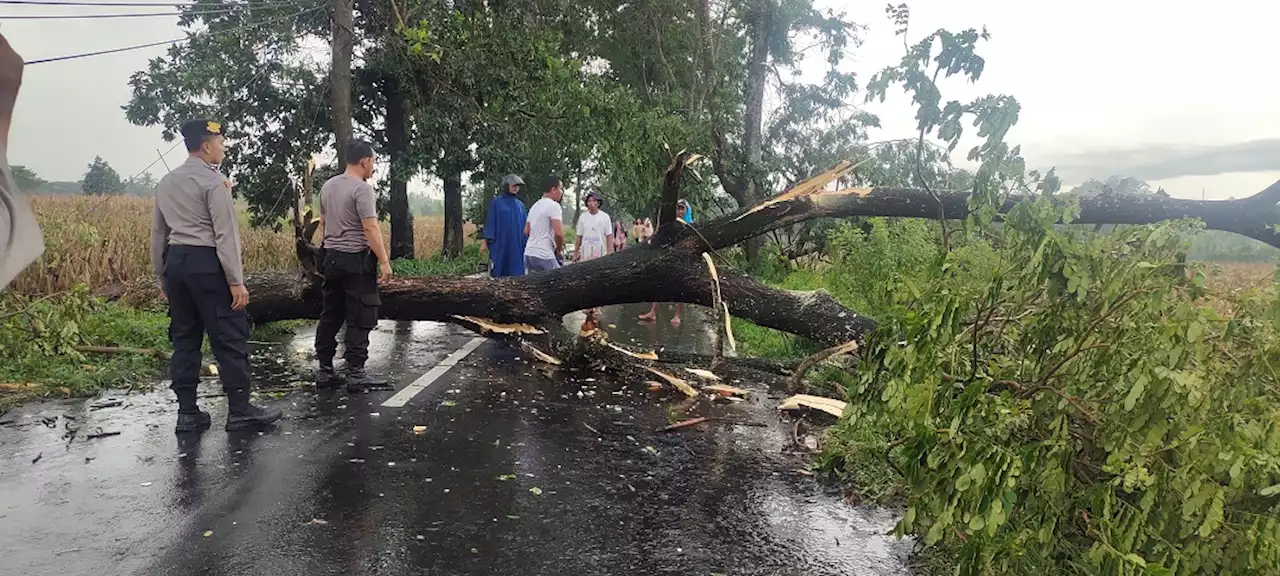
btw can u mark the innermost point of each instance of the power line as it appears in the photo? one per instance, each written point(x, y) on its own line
point(198, 11)
point(164, 42)
point(134, 4)
point(97, 16)
point(101, 52)
point(178, 141)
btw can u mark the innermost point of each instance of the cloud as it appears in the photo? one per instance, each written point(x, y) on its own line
point(1159, 162)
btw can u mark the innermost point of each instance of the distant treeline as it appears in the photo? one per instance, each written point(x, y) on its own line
point(1215, 245)
point(140, 189)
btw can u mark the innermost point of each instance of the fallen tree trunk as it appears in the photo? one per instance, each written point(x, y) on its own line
point(671, 269)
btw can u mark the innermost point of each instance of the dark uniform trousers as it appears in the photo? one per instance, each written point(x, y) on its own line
point(350, 294)
point(199, 303)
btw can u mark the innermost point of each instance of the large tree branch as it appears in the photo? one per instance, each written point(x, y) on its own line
point(1255, 216)
point(671, 268)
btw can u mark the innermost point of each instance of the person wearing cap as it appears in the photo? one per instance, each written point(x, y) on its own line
point(355, 261)
point(195, 251)
point(685, 214)
point(683, 211)
point(595, 231)
point(21, 241)
point(504, 237)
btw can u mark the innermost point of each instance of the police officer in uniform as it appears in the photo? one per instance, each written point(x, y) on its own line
point(195, 250)
point(354, 262)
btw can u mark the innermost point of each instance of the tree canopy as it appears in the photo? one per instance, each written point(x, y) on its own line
point(101, 179)
point(599, 93)
point(26, 178)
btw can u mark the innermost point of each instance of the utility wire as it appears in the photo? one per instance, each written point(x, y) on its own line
point(101, 52)
point(199, 10)
point(98, 16)
point(163, 42)
point(178, 141)
point(138, 4)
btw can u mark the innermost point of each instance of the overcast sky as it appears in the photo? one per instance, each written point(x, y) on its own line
point(1178, 94)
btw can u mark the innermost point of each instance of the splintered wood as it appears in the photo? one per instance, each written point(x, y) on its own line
point(540, 355)
point(704, 374)
point(488, 325)
point(678, 383)
point(808, 187)
point(637, 355)
point(829, 405)
point(725, 390)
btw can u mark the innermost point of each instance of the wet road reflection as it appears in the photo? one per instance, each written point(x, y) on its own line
point(512, 473)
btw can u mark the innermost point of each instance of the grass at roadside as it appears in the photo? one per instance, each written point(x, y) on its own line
point(471, 262)
point(40, 338)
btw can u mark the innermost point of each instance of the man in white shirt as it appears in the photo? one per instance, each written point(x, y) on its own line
point(595, 231)
point(545, 229)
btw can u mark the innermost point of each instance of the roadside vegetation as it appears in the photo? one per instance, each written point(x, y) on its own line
point(51, 323)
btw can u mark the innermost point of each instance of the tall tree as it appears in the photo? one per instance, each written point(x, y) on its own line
point(101, 179)
point(26, 178)
point(253, 67)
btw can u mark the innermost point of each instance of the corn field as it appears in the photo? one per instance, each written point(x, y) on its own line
point(102, 240)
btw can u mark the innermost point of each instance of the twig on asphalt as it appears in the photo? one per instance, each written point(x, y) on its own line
point(101, 434)
point(683, 424)
point(739, 422)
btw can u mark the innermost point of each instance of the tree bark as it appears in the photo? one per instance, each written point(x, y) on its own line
point(753, 137)
point(453, 239)
point(340, 73)
point(397, 142)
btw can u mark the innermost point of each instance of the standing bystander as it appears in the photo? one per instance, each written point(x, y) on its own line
point(355, 261)
point(545, 229)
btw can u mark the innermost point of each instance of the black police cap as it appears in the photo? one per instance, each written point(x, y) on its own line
point(200, 128)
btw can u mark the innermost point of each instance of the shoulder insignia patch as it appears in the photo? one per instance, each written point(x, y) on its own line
point(226, 183)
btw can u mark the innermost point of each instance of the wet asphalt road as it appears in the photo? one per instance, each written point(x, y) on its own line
point(515, 473)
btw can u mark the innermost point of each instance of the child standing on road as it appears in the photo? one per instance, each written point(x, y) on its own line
point(619, 236)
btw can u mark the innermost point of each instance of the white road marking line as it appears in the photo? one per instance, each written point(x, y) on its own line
point(407, 393)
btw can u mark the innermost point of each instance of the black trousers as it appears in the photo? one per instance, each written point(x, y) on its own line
point(350, 295)
point(200, 303)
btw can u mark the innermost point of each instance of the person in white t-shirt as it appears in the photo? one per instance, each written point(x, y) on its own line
point(595, 231)
point(545, 230)
point(595, 239)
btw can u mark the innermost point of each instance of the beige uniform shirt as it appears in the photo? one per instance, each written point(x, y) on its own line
point(194, 208)
point(20, 239)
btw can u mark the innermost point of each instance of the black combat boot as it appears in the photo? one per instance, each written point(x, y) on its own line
point(358, 380)
point(190, 418)
point(326, 377)
point(192, 421)
point(241, 415)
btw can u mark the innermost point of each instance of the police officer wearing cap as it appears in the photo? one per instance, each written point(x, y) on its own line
point(195, 251)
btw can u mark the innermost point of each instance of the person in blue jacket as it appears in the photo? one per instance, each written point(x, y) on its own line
point(504, 230)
